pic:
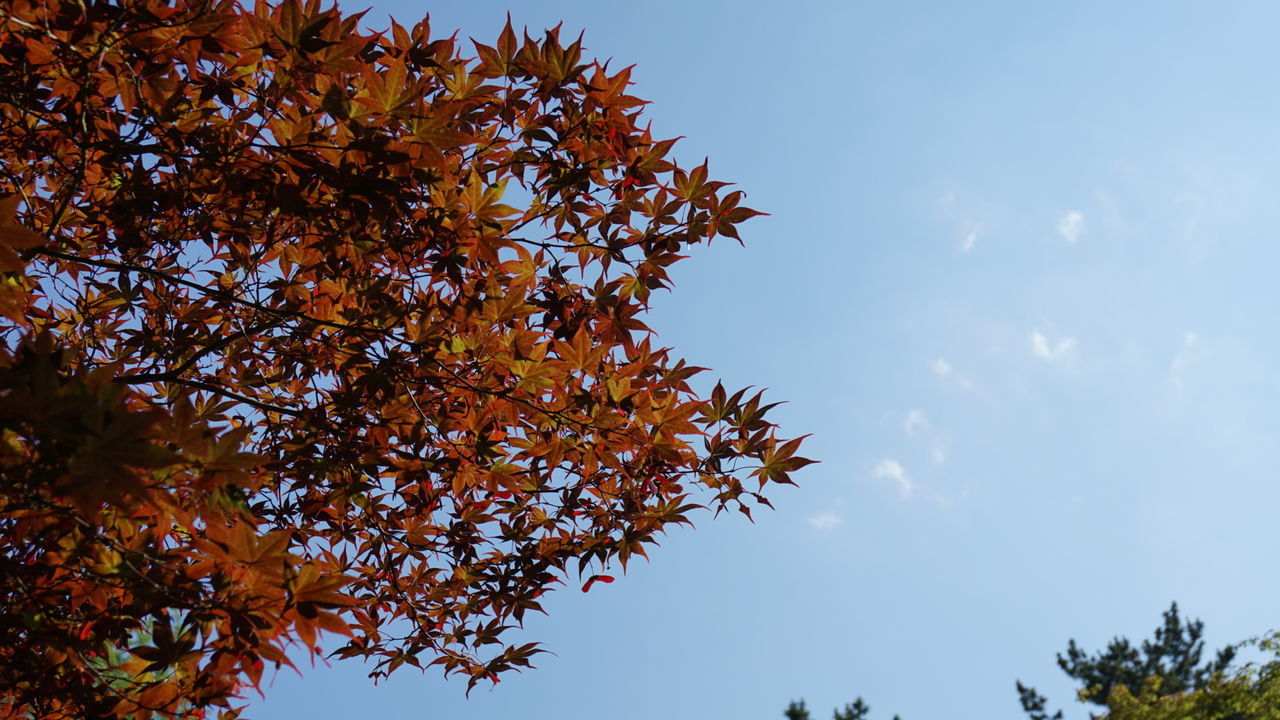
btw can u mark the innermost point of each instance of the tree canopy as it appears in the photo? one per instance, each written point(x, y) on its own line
point(309, 328)
point(1163, 679)
point(1249, 693)
point(1170, 664)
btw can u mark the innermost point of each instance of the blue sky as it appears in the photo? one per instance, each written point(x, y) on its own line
point(1018, 280)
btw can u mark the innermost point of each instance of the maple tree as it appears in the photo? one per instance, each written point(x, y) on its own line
point(314, 329)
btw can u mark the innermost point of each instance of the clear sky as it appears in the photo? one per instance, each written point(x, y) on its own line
point(1018, 280)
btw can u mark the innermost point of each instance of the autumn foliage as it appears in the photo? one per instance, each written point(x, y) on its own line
point(311, 329)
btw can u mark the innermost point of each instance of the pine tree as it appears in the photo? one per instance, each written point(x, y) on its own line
point(796, 711)
point(856, 710)
point(1173, 656)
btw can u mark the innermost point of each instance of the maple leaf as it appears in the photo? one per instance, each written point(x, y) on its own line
point(14, 236)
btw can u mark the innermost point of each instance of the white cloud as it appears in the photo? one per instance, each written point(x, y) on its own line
point(944, 369)
point(1071, 225)
point(941, 367)
point(968, 217)
point(939, 453)
point(893, 470)
point(1180, 360)
point(971, 238)
point(915, 422)
point(825, 521)
point(1042, 348)
point(1195, 208)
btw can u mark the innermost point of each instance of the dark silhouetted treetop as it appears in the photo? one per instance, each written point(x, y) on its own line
point(1251, 692)
point(1172, 656)
point(856, 710)
point(796, 710)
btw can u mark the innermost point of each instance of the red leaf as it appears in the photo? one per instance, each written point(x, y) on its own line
point(594, 579)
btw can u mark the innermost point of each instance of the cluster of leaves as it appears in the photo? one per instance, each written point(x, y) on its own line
point(1169, 664)
point(133, 580)
point(296, 300)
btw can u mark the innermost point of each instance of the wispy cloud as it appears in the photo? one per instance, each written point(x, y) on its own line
point(893, 470)
point(968, 218)
point(1183, 356)
point(825, 521)
point(1053, 352)
point(1194, 209)
point(915, 422)
point(1071, 225)
point(971, 238)
point(942, 368)
point(938, 452)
